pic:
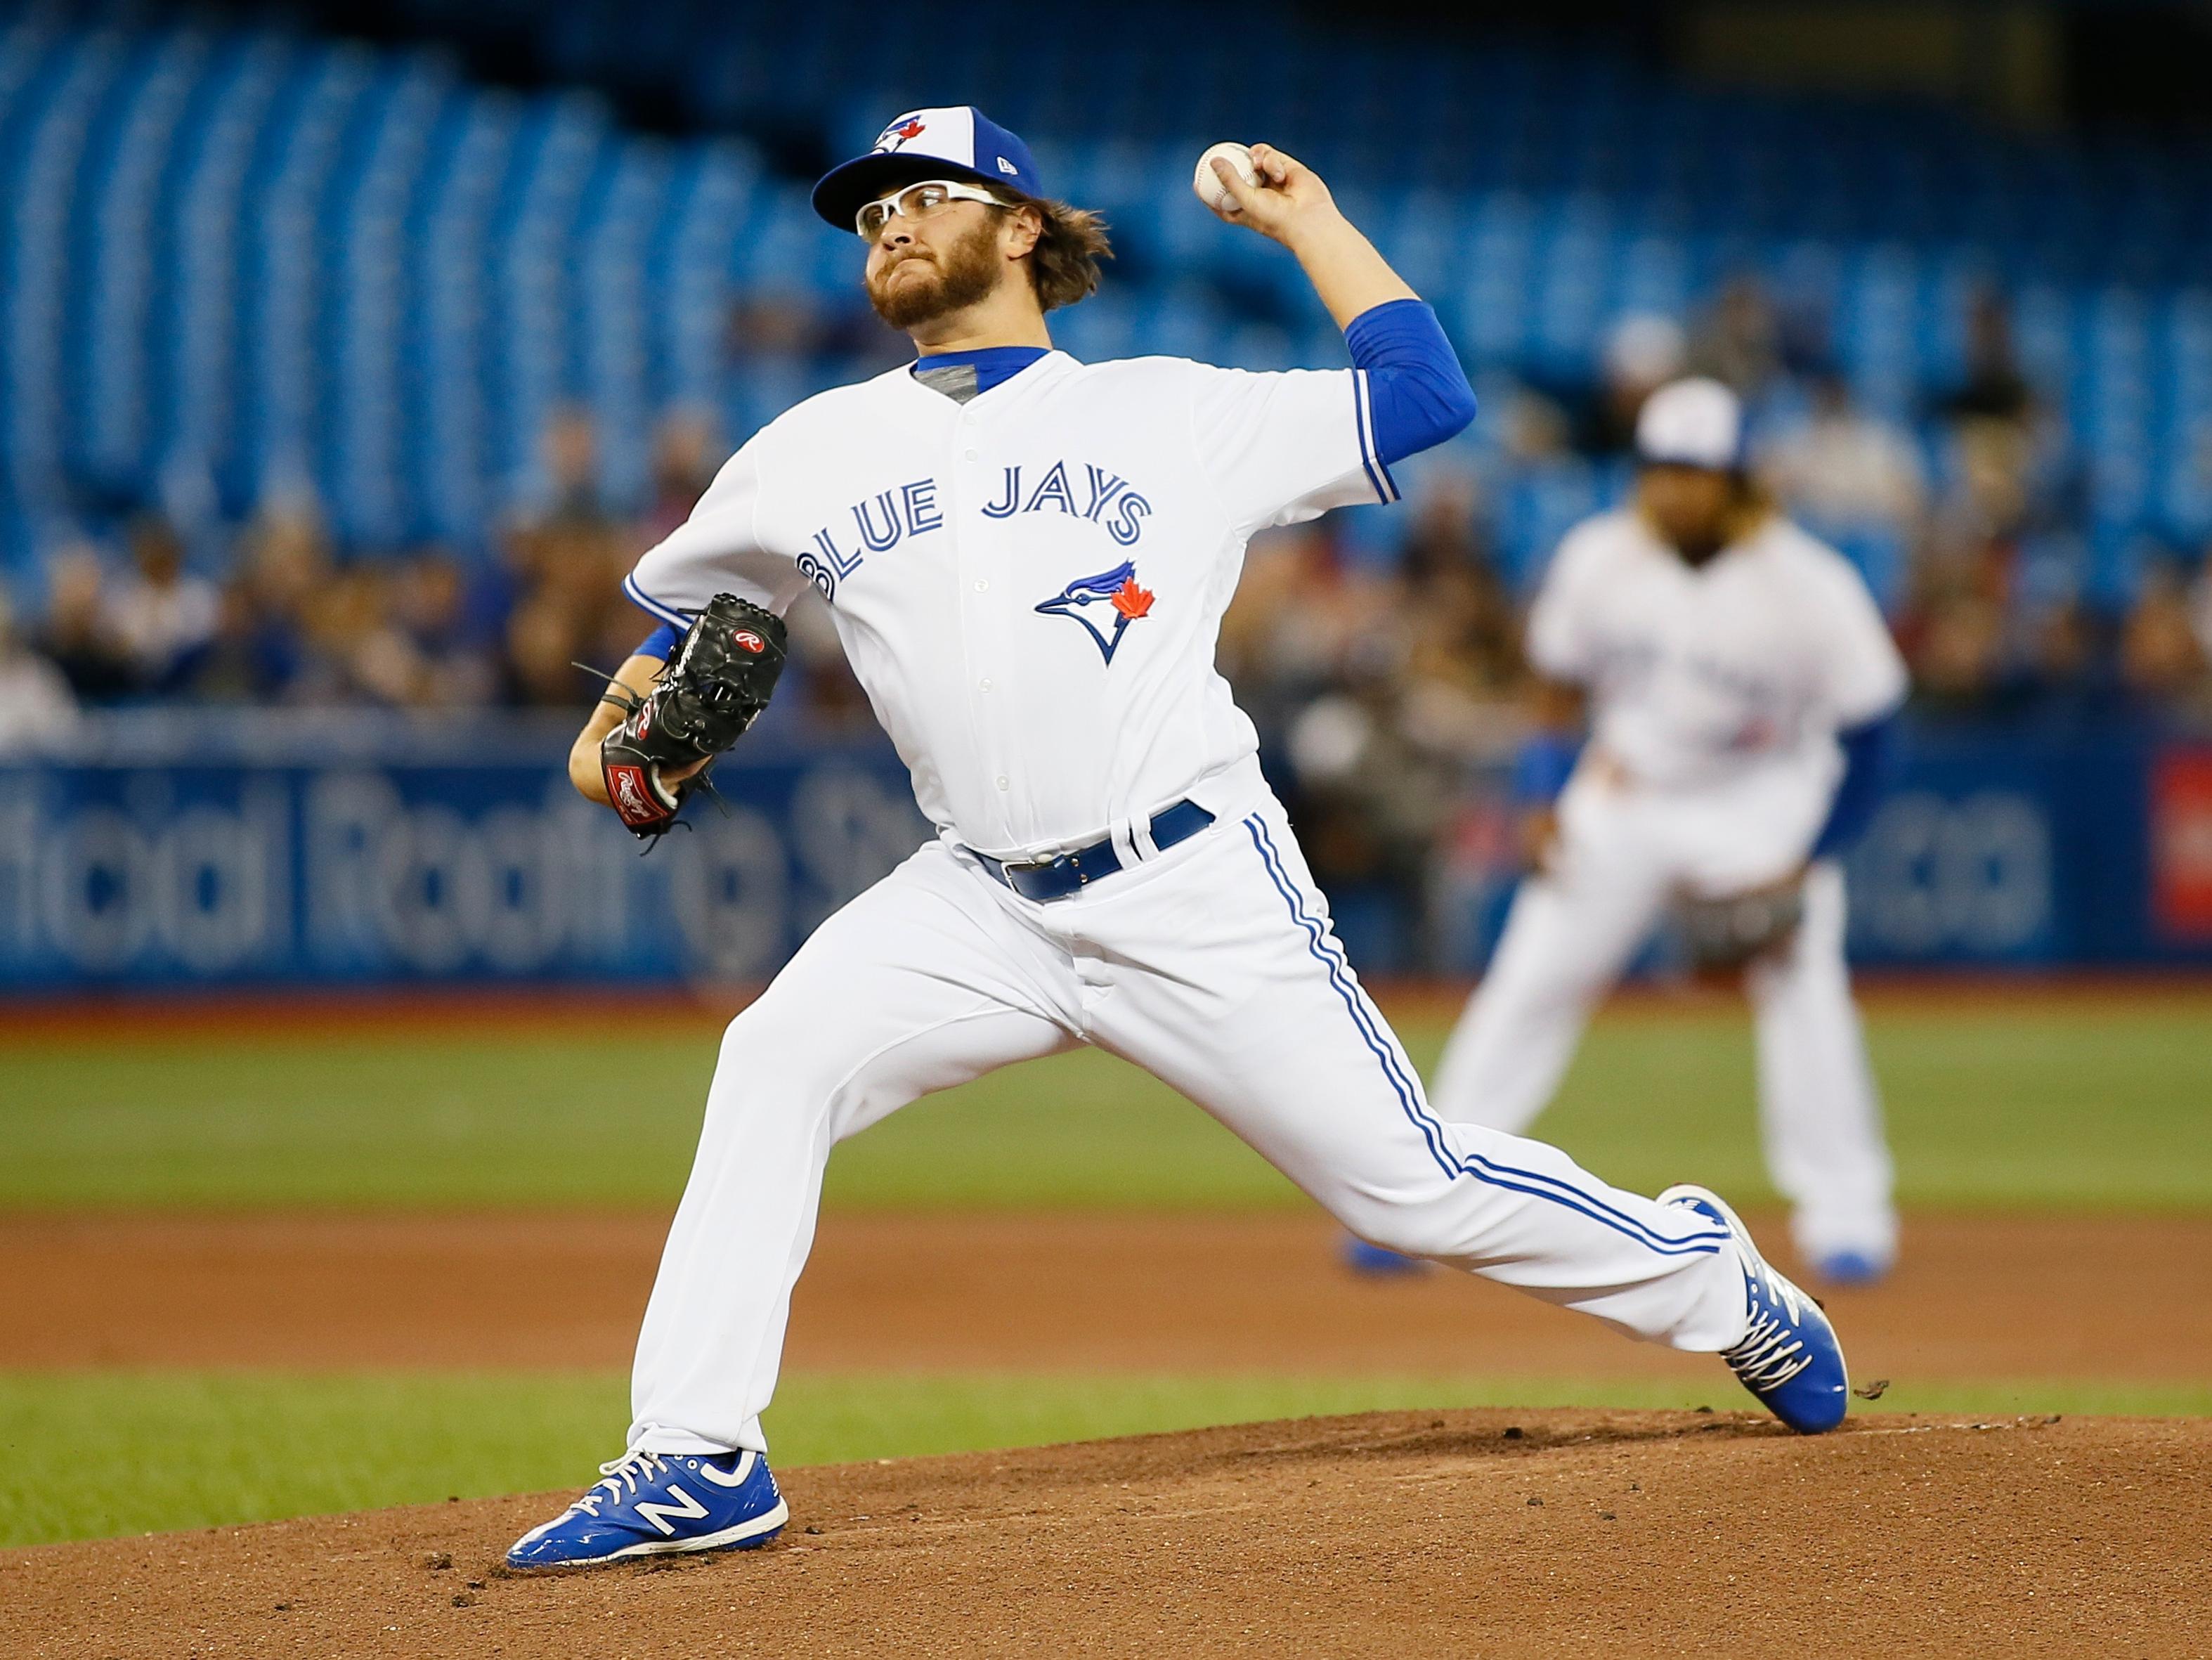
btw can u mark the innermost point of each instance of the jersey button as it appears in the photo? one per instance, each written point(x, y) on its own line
point(1002, 780)
point(983, 684)
point(970, 454)
point(982, 586)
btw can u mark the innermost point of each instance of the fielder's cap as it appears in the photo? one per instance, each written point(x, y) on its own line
point(1695, 423)
point(960, 141)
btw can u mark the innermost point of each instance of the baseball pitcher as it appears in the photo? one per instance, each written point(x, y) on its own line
point(1740, 685)
point(1027, 558)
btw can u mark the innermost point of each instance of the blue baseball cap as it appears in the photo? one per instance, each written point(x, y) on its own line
point(959, 142)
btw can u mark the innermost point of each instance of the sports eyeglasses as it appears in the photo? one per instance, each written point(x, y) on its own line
point(923, 201)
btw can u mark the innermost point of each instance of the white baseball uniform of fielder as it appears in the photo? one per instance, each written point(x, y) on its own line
point(1717, 693)
point(1029, 586)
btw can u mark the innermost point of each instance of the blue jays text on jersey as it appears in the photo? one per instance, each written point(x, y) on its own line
point(881, 521)
point(1103, 490)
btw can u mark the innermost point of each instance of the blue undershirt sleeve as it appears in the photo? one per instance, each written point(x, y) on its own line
point(661, 642)
point(1541, 768)
point(1419, 393)
point(1869, 754)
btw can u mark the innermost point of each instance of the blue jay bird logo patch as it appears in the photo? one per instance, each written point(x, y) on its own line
point(899, 132)
point(1105, 604)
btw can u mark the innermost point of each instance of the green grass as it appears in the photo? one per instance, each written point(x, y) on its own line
point(88, 1454)
point(2045, 1102)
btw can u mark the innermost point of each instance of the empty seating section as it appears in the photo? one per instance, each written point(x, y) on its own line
point(241, 260)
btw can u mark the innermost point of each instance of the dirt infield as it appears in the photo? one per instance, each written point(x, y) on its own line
point(1491, 1533)
point(1978, 1298)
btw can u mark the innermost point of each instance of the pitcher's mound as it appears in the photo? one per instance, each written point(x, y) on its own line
point(1491, 1533)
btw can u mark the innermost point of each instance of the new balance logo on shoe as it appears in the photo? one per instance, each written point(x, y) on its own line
point(664, 1517)
point(641, 1508)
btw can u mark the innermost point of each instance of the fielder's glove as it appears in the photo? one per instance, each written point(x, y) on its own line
point(719, 679)
point(1726, 933)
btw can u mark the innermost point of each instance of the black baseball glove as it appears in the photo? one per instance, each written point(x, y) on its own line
point(1726, 933)
point(719, 679)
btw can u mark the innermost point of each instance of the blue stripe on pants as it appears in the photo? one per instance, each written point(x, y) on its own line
point(1324, 947)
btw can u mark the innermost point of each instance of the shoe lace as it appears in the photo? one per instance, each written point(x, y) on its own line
point(1771, 1352)
point(621, 1475)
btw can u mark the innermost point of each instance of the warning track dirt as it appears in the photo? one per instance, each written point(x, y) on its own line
point(1081, 1291)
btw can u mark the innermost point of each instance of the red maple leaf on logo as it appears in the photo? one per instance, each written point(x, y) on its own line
point(910, 128)
point(1131, 600)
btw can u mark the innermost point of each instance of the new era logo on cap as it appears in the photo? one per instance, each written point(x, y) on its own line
point(956, 141)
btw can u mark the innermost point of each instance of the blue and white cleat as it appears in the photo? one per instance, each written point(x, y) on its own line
point(650, 1504)
point(1789, 1359)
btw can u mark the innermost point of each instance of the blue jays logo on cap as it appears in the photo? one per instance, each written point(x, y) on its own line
point(956, 141)
point(1091, 600)
point(906, 127)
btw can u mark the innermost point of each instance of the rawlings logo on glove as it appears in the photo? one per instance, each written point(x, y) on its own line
point(716, 684)
point(631, 792)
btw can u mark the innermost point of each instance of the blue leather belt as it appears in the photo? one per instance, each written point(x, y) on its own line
point(1072, 872)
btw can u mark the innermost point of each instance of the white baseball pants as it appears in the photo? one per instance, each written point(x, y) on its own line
point(1213, 966)
point(1621, 855)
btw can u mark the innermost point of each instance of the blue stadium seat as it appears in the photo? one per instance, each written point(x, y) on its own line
point(259, 257)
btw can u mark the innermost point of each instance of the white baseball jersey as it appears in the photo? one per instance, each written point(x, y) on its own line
point(1699, 675)
point(1717, 693)
point(1028, 585)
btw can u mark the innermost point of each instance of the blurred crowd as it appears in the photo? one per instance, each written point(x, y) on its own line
point(1383, 676)
point(1379, 653)
point(1968, 515)
point(273, 615)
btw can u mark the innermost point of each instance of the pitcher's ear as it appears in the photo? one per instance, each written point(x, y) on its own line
point(1031, 223)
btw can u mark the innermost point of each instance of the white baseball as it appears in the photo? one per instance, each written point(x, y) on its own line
point(1211, 191)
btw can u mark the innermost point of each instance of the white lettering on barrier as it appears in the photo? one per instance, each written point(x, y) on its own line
point(729, 886)
point(606, 898)
point(19, 877)
point(526, 902)
point(433, 888)
point(105, 890)
point(217, 878)
point(96, 885)
point(523, 888)
point(347, 815)
point(423, 887)
point(850, 830)
point(1934, 875)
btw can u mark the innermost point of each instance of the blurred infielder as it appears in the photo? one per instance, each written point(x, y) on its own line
point(1027, 558)
point(1741, 685)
